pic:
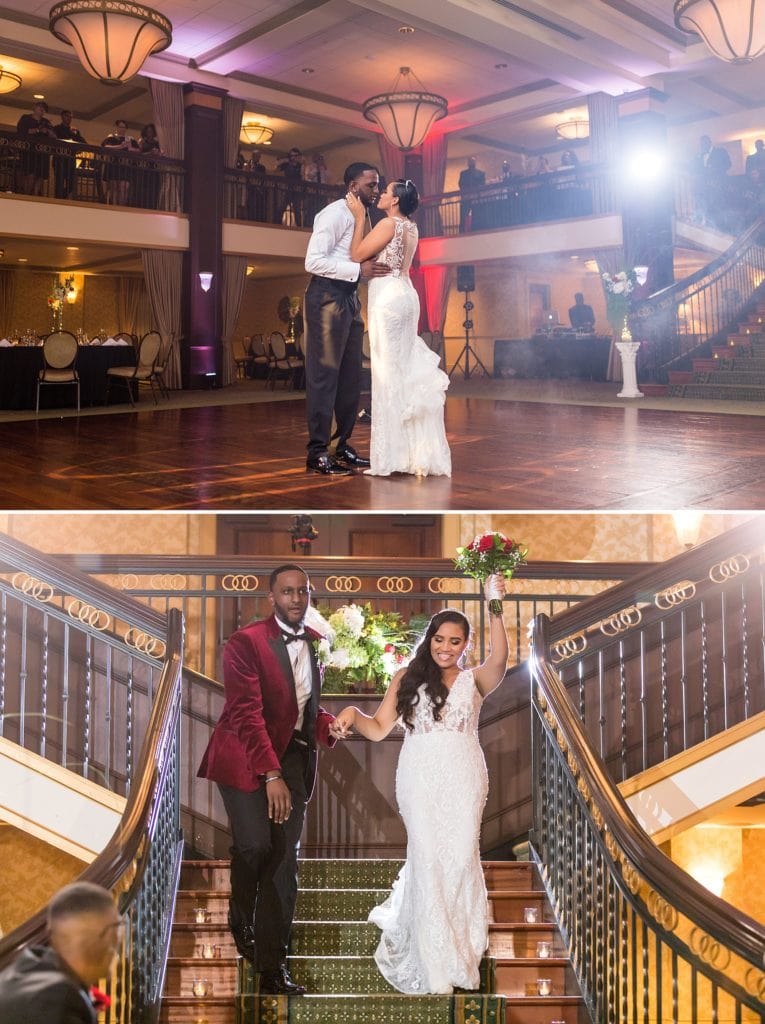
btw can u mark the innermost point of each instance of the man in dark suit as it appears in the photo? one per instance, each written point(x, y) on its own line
point(471, 179)
point(52, 985)
point(262, 754)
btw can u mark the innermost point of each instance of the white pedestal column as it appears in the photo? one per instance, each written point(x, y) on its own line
point(628, 351)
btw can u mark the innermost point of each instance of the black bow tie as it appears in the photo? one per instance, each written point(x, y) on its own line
point(289, 637)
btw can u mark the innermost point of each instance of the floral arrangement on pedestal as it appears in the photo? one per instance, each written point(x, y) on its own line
point(362, 649)
point(618, 289)
point(293, 309)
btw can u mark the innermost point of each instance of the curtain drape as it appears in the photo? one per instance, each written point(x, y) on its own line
point(133, 306)
point(7, 297)
point(163, 271)
point(611, 261)
point(433, 165)
point(603, 113)
point(437, 284)
point(391, 158)
point(169, 118)
point(234, 277)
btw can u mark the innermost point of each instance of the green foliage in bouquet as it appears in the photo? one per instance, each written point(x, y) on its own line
point(367, 648)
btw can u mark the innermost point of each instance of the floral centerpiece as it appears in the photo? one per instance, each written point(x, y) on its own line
point(295, 304)
point(362, 648)
point(489, 554)
point(56, 301)
point(618, 288)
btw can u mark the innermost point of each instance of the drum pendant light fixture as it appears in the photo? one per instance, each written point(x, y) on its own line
point(405, 113)
point(112, 38)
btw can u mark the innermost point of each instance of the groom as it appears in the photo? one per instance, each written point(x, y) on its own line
point(262, 754)
point(334, 329)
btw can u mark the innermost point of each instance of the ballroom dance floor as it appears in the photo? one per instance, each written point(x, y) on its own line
point(506, 455)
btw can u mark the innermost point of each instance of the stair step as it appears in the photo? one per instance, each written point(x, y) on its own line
point(338, 904)
point(733, 393)
point(738, 377)
point(680, 377)
point(219, 975)
point(334, 938)
point(210, 1010)
point(386, 1008)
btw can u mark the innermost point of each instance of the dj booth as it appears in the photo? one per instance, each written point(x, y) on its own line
point(557, 354)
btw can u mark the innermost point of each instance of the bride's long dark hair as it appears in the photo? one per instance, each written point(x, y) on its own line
point(423, 669)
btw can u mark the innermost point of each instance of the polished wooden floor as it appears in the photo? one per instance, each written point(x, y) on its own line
point(507, 455)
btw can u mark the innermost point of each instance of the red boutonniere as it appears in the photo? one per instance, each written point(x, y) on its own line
point(99, 999)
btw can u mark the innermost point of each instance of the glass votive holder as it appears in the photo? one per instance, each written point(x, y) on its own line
point(530, 915)
point(201, 915)
point(544, 986)
point(209, 951)
point(201, 987)
point(544, 950)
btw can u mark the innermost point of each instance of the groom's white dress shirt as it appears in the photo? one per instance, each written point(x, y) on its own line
point(301, 669)
point(329, 248)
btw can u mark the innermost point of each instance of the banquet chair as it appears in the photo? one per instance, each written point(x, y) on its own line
point(59, 356)
point(298, 357)
point(143, 371)
point(281, 363)
point(160, 365)
point(261, 358)
point(124, 336)
point(242, 358)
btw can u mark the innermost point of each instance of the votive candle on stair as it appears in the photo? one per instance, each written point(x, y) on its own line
point(544, 950)
point(530, 915)
point(208, 951)
point(200, 915)
point(544, 986)
point(200, 987)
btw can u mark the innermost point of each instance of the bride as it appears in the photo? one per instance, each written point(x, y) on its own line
point(435, 922)
point(408, 386)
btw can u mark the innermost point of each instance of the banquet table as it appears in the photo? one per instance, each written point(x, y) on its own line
point(20, 366)
point(554, 358)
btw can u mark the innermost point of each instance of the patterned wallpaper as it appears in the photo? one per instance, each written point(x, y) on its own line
point(94, 310)
point(113, 532)
point(32, 872)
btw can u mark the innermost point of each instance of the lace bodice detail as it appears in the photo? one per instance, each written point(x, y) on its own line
point(399, 252)
point(459, 713)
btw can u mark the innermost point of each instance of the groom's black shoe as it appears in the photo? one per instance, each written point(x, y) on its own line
point(327, 465)
point(349, 457)
point(279, 983)
point(244, 936)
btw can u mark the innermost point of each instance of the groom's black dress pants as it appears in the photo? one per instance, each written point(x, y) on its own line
point(334, 333)
point(264, 874)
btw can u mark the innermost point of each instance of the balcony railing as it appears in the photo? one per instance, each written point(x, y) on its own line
point(271, 199)
point(67, 170)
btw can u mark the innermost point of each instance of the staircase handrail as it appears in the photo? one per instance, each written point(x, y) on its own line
point(636, 865)
point(126, 861)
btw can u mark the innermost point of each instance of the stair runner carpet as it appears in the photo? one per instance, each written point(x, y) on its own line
point(737, 371)
point(332, 955)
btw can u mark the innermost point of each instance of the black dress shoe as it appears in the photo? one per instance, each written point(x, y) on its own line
point(243, 935)
point(326, 464)
point(350, 457)
point(279, 983)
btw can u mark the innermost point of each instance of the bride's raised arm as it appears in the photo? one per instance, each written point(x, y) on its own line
point(365, 248)
point(373, 727)
point(490, 674)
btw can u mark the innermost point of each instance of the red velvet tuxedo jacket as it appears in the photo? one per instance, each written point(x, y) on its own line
point(261, 710)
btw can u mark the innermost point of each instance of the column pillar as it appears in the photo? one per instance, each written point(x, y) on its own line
point(201, 355)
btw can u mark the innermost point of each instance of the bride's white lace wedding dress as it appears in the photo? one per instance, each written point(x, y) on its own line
point(408, 386)
point(435, 922)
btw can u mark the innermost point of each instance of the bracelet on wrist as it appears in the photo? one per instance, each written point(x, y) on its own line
point(272, 778)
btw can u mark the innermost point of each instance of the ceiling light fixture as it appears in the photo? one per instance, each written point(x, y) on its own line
point(9, 81)
point(734, 30)
point(256, 134)
point(406, 30)
point(405, 114)
point(112, 38)
point(577, 128)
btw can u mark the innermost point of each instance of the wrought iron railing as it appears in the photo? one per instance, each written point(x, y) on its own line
point(141, 862)
point(271, 199)
point(67, 170)
point(647, 942)
point(678, 321)
point(671, 656)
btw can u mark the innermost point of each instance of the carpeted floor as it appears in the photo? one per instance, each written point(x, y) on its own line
point(551, 392)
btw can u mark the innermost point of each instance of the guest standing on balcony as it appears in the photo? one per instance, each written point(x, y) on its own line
point(35, 128)
point(256, 188)
point(435, 922)
point(470, 180)
point(52, 985)
point(709, 168)
point(290, 209)
point(119, 171)
point(334, 329)
point(65, 167)
point(263, 755)
point(315, 173)
point(148, 180)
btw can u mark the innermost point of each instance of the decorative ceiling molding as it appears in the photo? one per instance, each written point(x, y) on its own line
point(538, 19)
point(711, 85)
point(636, 13)
point(258, 31)
point(508, 94)
point(293, 90)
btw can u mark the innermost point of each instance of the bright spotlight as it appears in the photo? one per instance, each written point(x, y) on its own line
point(645, 167)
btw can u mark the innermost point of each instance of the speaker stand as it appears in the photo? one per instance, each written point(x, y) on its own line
point(467, 349)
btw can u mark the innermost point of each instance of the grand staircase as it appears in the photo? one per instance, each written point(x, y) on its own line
point(735, 371)
point(332, 947)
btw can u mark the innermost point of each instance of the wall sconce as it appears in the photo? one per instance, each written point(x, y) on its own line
point(205, 281)
point(71, 295)
point(687, 527)
point(641, 274)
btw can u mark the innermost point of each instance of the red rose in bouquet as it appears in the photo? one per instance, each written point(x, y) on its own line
point(99, 999)
point(489, 554)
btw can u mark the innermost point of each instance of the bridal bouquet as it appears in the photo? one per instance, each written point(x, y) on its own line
point(489, 554)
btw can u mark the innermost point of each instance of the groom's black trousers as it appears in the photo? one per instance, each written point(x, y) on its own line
point(334, 333)
point(264, 870)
